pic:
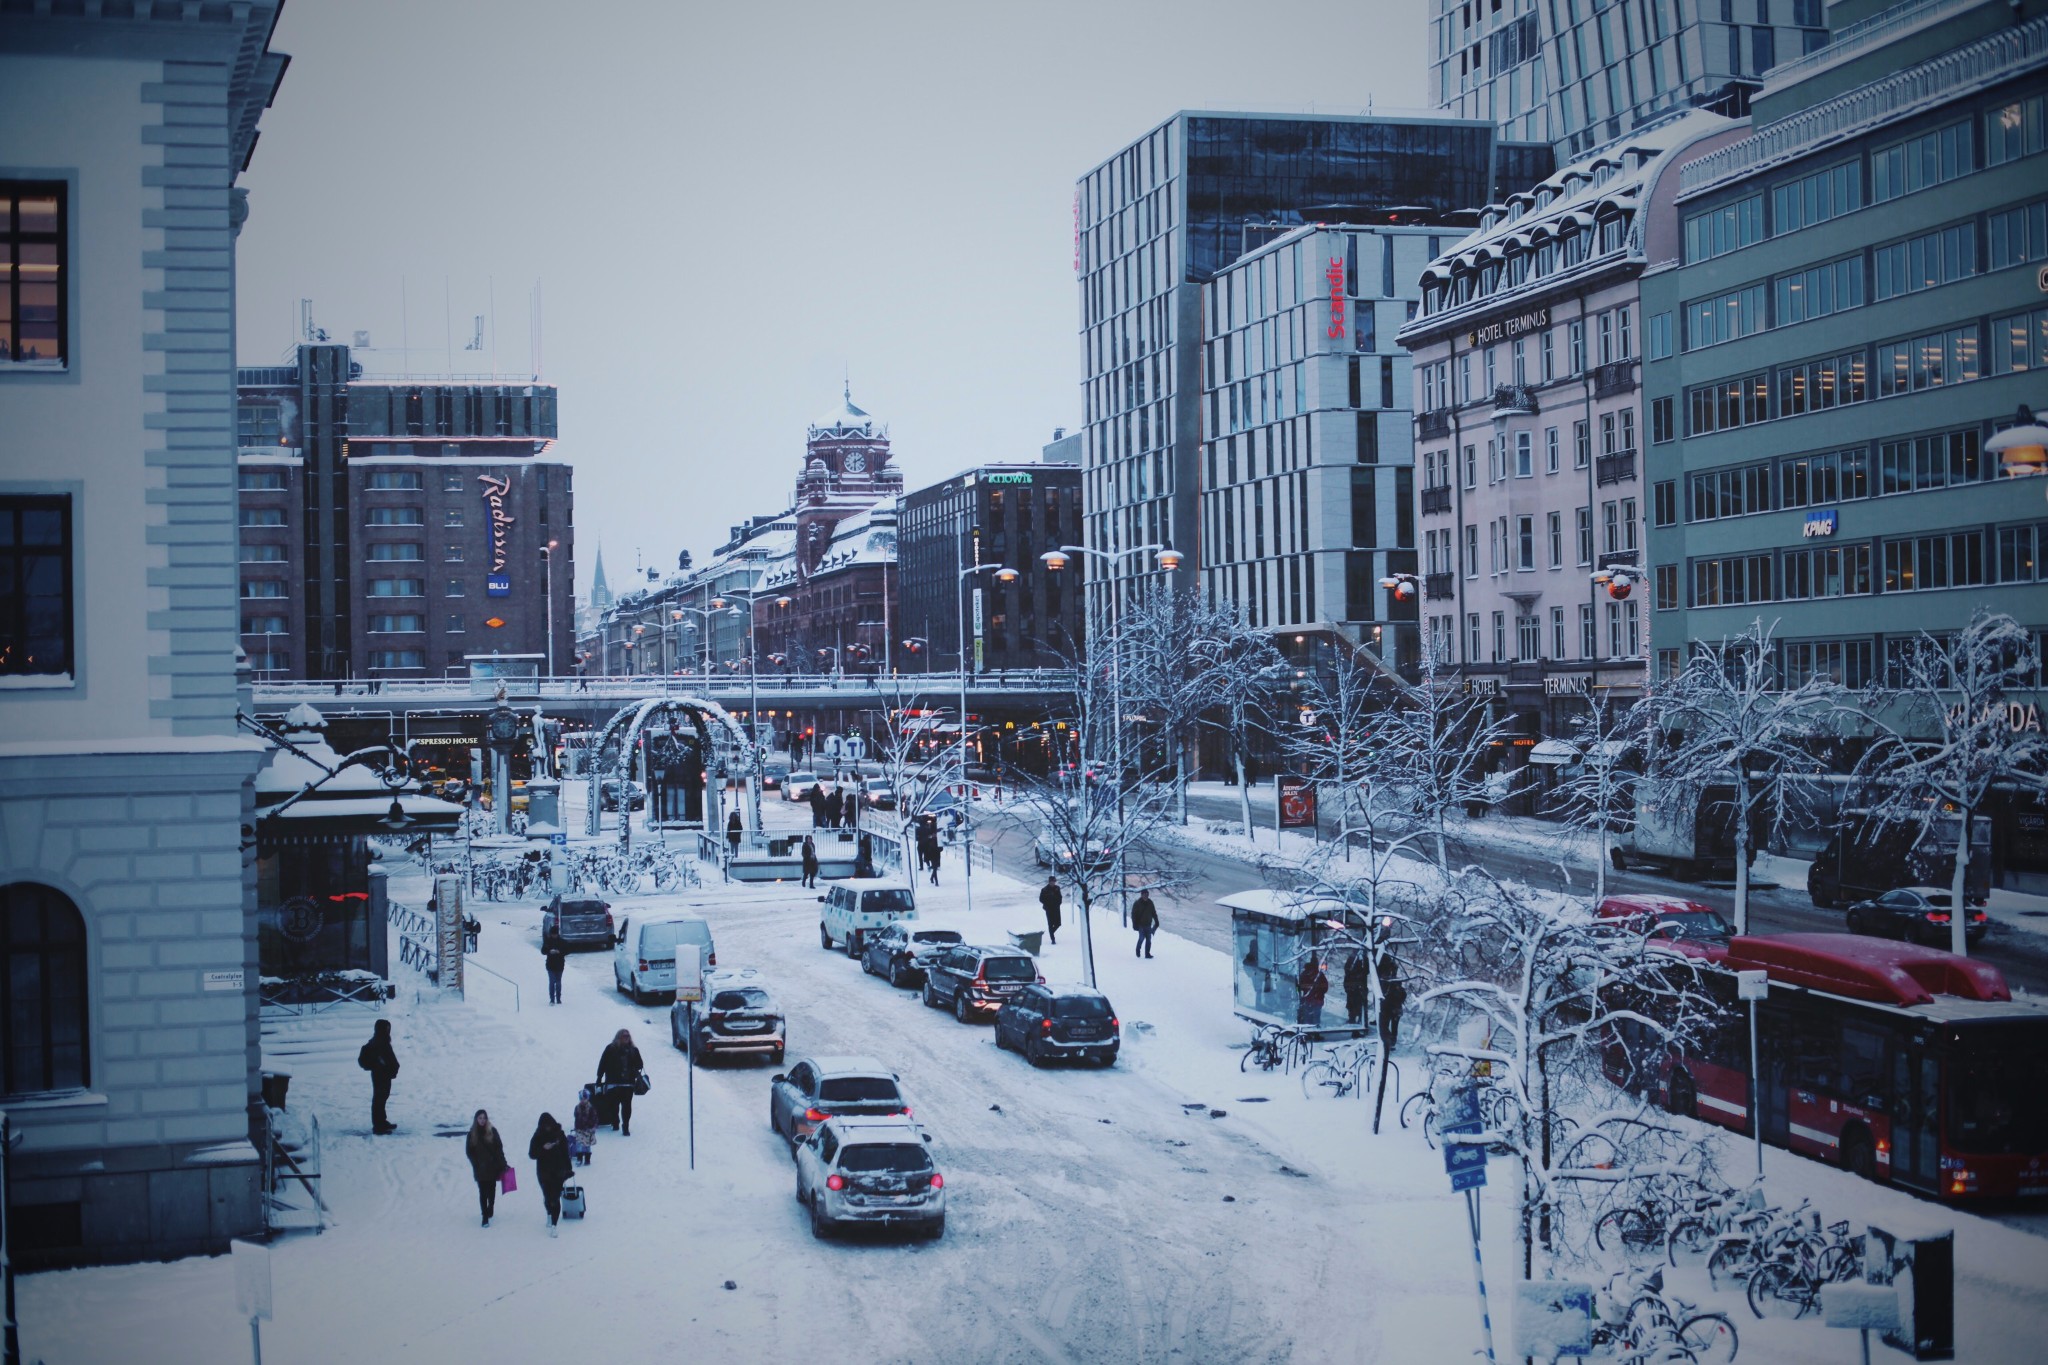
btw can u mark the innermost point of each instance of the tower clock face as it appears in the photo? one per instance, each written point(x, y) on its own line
point(856, 462)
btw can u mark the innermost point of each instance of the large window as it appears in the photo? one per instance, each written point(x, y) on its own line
point(1729, 404)
point(2019, 342)
point(1948, 357)
point(33, 314)
point(1816, 198)
point(389, 479)
point(1944, 459)
point(1830, 571)
point(2018, 235)
point(1818, 385)
point(1952, 559)
point(1717, 493)
point(1733, 581)
point(2015, 130)
point(1819, 290)
point(395, 550)
point(42, 991)
point(1942, 256)
point(398, 658)
point(1921, 162)
point(36, 610)
point(1727, 228)
point(1847, 662)
point(1737, 313)
point(1817, 480)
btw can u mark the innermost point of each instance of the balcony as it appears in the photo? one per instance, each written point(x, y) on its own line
point(1619, 467)
point(1616, 377)
point(1430, 426)
point(1436, 499)
point(1529, 675)
point(1438, 587)
point(1514, 400)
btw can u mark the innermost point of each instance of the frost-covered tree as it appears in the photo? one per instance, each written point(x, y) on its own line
point(1727, 729)
point(917, 766)
point(1946, 735)
point(1241, 681)
point(1439, 741)
point(1596, 793)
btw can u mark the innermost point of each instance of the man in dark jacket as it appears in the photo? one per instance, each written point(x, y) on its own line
point(1356, 974)
point(816, 796)
point(618, 1069)
point(556, 960)
point(835, 808)
point(381, 1062)
point(1049, 897)
point(1145, 919)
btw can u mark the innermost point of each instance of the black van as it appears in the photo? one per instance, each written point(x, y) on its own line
point(1866, 857)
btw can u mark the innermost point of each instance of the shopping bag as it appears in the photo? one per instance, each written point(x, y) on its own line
point(573, 1203)
point(641, 1085)
point(508, 1180)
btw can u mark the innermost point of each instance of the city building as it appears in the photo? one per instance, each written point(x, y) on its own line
point(1583, 73)
point(131, 1071)
point(996, 514)
point(1159, 219)
point(1848, 304)
point(1528, 432)
point(399, 527)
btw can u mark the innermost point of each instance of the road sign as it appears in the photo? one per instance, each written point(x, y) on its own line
point(560, 838)
point(1464, 1162)
point(252, 1278)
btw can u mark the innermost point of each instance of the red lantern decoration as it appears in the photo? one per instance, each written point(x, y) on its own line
point(1619, 587)
point(1403, 590)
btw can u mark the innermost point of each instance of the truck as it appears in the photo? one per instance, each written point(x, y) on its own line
point(1867, 856)
point(1690, 836)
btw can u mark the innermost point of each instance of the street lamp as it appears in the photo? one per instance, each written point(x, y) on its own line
point(917, 644)
point(2022, 448)
point(718, 607)
point(1055, 560)
point(1402, 585)
point(1620, 580)
point(963, 572)
point(547, 559)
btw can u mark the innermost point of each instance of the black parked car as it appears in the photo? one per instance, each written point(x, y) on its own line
point(1044, 1022)
point(897, 952)
point(737, 1017)
point(609, 790)
point(1918, 914)
point(974, 980)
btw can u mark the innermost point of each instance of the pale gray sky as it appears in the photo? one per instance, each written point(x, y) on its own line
point(725, 207)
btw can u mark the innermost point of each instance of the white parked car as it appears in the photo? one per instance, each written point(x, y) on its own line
point(797, 786)
point(644, 957)
point(875, 1171)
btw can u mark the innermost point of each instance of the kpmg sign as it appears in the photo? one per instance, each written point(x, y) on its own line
point(1819, 524)
point(498, 583)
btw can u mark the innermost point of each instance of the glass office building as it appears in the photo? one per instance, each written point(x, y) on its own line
point(1156, 221)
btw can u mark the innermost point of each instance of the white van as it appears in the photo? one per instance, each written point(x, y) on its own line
point(860, 905)
point(644, 958)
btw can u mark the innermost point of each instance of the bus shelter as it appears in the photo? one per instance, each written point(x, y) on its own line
point(1274, 935)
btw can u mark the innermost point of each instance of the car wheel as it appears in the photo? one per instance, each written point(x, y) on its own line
point(931, 1000)
point(824, 938)
point(675, 1035)
point(1109, 1059)
point(897, 976)
point(775, 1057)
point(960, 1007)
point(853, 944)
point(821, 1226)
point(1032, 1054)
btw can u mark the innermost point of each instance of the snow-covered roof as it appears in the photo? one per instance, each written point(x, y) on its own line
point(848, 418)
point(1298, 906)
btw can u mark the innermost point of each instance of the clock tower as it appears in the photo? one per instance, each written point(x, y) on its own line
point(846, 469)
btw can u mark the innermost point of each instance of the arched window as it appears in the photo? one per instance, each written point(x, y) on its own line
point(42, 990)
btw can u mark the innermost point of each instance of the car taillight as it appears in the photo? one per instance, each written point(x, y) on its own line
point(1113, 1022)
point(938, 1181)
point(815, 1115)
point(835, 1181)
point(1041, 981)
point(1938, 916)
point(711, 960)
point(607, 919)
point(905, 1111)
point(643, 964)
point(1045, 1024)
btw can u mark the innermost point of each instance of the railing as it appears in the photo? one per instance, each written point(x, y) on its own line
point(1023, 680)
point(1431, 425)
point(1514, 399)
point(1619, 467)
point(1615, 377)
point(1439, 587)
point(1970, 67)
point(470, 964)
point(1436, 499)
point(1878, 29)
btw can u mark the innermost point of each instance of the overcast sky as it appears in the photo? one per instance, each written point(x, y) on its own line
point(725, 208)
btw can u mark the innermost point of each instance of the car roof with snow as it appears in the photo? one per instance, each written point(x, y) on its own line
point(849, 1066)
point(856, 1128)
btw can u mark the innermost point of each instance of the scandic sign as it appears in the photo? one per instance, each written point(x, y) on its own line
point(1335, 275)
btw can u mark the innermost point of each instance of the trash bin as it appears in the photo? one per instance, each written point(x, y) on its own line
point(1030, 941)
point(275, 1084)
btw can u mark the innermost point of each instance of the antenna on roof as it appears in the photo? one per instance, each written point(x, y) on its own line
point(476, 336)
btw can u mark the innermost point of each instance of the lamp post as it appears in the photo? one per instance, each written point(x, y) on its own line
point(2022, 448)
point(719, 607)
point(547, 559)
point(963, 572)
point(1169, 559)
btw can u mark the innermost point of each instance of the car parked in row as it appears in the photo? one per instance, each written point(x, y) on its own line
point(820, 1088)
point(857, 907)
point(577, 925)
point(796, 786)
point(738, 1017)
point(878, 793)
point(974, 980)
point(644, 955)
point(613, 790)
point(898, 952)
point(1048, 1022)
point(1917, 914)
point(870, 1171)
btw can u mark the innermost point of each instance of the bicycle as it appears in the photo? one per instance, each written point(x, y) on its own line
point(1790, 1283)
point(1754, 1241)
point(1346, 1071)
point(1643, 1323)
point(1276, 1046)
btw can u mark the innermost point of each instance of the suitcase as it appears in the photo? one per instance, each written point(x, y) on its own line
point(574, 1205)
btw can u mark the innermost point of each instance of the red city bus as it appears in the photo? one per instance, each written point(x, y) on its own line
point(1902, 1063)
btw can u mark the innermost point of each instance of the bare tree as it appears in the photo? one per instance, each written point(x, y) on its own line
point(1946, 736)
point(1438, 745)
point(1597, 791)
point(1727, 725)
point(1240, 680)
point(917, 764)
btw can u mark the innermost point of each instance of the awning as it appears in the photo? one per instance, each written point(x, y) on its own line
point(1609, 750)
point(1553, 752)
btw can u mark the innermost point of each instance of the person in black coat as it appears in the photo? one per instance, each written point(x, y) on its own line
point(381, 1062)
point(735, 830)
point(810, 862)
point(835, 808)
point(549, 1150)
point(1049, 897)
point(618, 1067)
point(486, 1152)
point(1144, 919)
point(1356, 976)
point(816, 796)
point(557, 959)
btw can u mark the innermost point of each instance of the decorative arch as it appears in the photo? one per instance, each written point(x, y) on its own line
point(723, 739)
point(44, 994)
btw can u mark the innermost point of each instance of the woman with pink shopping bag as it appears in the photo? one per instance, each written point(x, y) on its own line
point(486, 1152)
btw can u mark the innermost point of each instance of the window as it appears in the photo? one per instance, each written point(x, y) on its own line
point(1731, 581)
point(260, 480)
point(1589, 633)
point(1817, 480)
point(1604, 330)
point(455, 623)
point(266, 625)
point(384, 480)
point(1582, 444)
point(398, 658)
point(36, 609)
point(1471, 467)
point(1496, 468)
point(2019, 342)
point(1664, 502)
point(1819, 290)
point(1933, 258)
point(391, 550)
point(1667, 665)
point(1624, 332)
point(392, 587)
point(1575, 334)
point(1725, 317)
point(1557, 641)
point(1829, 571)
point(2015, 130)
point(1585, 529)
point(1660, 420)
point(1847, 662)
point(1525, 546)
point(1953, 559)
point(1471, 552)
point(43, 994)
point(1660, 336)
point(1624, 635)
point(396, 516)
point(262, 554)
point(2018, 235)
point(454, 588)
point(1525, 454)
point(1550, 450)
point(263, 587)
point(1528, 638)
point(34, 313)
point(2020, 551)
point(451, 482)
point(1556, 528)
point(262, 516)
point(451, 553)
point(398, 625)
point(1735, 492)
point(1819, 385)
point(1610, 522)
point(1816, 198)
point(1921, 162)
point(1942, 460)
point(259, 424)
point(1500, 637)
point(1728, 404)
point(1664, 579)
point(1948, 357)
point(452, 517)
point(1722, 230)
point(1472, 637)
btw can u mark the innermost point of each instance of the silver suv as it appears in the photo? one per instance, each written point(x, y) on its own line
point(870, 1170)
point(821, 1088)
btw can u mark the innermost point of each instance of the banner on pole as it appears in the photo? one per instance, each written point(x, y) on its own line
point(1297, 803)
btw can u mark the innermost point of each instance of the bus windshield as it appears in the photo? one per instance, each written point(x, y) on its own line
point(1998, 1090)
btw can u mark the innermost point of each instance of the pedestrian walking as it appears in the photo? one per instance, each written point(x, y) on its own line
point(557, 959)
point(381, 1062)
point(549, 1151)
point(930, 852)
point(1145, 919)
point(1393, 998)
point(619, 1067)
point(1315, 988)
point(486, 1152)
point(810, 862)
point(583, 1129)
point(835, 804)
point(1049, 897)
point(735, 830)
point(816, 797)
point(1356, 977)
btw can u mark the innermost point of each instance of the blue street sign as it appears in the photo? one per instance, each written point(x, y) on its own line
point(1465, 1164)
point(498, 585)
point(560, 837)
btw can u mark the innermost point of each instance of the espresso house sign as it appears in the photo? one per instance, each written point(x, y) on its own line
point(1506, 329)
point(496, 490)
